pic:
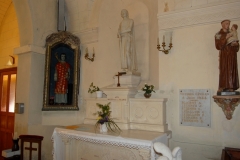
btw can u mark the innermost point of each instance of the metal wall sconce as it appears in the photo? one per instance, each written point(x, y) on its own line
point(87, 56)
point(10, 63)
point(166, 51)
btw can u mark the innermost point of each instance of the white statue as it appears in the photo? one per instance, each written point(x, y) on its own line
point(127, 43)
point(176, 154)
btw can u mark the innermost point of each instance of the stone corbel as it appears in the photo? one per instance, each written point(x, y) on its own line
point(228, 104)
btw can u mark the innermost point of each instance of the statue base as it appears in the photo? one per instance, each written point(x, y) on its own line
point(228, 93)
point(128, 80)
point(228, 104)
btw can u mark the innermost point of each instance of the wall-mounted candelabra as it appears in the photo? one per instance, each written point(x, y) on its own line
point(166, 51)
point(87, 56)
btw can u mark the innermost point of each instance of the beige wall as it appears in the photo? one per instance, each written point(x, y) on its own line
point(9, 36)
point(192, 64)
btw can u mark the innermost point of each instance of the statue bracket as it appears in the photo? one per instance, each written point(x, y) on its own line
point(228, 104)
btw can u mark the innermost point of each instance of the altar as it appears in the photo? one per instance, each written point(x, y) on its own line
point(83, 142)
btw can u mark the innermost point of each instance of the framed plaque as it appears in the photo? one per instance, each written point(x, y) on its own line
point(195, 108)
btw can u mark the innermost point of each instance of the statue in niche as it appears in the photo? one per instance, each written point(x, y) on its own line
point(127, 44)
point(228, 68)
point(61, 76)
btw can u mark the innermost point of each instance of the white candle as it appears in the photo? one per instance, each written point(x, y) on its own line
point(163, 38)
point(158, 41)
point(86, 50)
point(171, 39)
point(93, 51)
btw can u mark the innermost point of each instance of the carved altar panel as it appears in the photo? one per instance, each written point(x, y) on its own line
point(148, 114)
point(119, 108)
point(91, 107)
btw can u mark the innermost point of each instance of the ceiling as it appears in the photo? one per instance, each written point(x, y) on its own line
point(4, 4)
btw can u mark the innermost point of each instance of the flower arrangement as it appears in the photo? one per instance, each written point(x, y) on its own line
point(148, 88)
point(93, 88)
point(104, 116)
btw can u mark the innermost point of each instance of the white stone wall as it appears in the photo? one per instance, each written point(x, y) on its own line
point(193, 64)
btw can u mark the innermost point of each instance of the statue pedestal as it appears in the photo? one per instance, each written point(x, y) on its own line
point(129, 112)
point(228, 104)
point(128, 80)
point(123, 92)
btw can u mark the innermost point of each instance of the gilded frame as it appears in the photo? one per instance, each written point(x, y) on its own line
point(69, 44)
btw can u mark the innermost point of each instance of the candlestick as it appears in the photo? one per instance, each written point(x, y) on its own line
point(87, 55)
point(164, 50)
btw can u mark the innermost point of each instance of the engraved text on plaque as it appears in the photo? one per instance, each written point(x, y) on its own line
point(195, 108)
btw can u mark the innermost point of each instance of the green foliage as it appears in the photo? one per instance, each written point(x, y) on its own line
point(148, 88)
point(93, 88)
point(104, 116)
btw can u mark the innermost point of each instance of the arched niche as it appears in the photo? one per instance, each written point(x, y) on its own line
point(109, 20)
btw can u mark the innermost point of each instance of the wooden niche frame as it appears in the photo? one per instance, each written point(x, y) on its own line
point(57, 44)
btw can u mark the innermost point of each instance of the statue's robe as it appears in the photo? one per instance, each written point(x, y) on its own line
point(127, 45)
point(62, 73)
point(228, 76)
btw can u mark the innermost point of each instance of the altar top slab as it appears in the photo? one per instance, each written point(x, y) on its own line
point(86, 129)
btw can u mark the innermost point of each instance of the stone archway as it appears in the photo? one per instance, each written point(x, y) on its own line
point(24, 21)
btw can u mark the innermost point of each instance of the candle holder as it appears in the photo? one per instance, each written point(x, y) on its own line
point(87, 56)
point(166, 51)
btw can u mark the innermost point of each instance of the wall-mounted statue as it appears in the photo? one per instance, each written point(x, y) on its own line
point(228, 77)
point(127, 43)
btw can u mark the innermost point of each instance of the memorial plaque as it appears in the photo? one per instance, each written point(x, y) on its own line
point(195, 108)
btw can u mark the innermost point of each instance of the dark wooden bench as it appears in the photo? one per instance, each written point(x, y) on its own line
point(230, 154)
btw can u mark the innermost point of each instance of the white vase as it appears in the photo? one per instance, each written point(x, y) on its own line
point(103, 128)
point(99, 94)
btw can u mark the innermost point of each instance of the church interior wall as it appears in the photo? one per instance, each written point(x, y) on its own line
point(191, 64)
point(105, 44)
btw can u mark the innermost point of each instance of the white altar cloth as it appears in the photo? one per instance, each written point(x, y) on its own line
point(131, 139)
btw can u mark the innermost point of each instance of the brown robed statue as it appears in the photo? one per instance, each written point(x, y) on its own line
point(228, 77)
